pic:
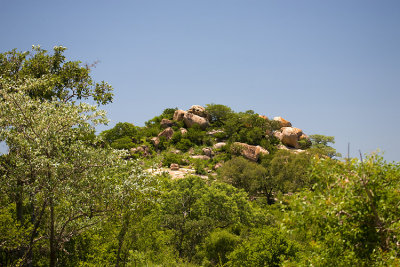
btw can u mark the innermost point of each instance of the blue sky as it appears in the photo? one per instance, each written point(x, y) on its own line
point(329, 67)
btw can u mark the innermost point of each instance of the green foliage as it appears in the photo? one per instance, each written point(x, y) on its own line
point(353, 211)
point(218, 113)
point(247, 127)
point(63, 80)
point(320, 145)
point(61, 182)
point(218, 245)
point(289, 172)
point(266, 247)
point(191, 209)
point(196, 135)
point(119, 131)
point(169, 158)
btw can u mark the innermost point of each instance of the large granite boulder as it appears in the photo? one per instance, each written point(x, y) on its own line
point(174, 167)
point(219, 145)
point(283, 122)
point(248, 151)
point(199, 111)
point(165, 123)
point(203, 157)
point(178, 115)
point(191, 119)
point(208, 152)
point(290, 136)
point(183, 131)
point(167, 133)
point(155, 141)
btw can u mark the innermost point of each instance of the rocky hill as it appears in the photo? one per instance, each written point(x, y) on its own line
point(201, 139)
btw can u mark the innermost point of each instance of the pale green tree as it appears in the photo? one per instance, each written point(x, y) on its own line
point(65, 182)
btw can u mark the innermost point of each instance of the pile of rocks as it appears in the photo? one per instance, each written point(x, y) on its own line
point(288, 135)
point(195, 115)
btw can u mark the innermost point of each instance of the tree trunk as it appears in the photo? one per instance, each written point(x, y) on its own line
point(121, 236)
point(19, 201)
point(53, 248)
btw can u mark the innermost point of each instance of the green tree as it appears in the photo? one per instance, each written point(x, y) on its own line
point(65, 80)
point(191, 209)
point(266, 247)
point(320, 144)
point(218, 113)
point(354, 211)
point(63, 180)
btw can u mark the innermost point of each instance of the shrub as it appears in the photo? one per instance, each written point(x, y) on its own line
point(267, 247)
point(170, 158)
point(123, 143)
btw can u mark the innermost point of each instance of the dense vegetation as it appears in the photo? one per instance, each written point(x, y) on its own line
point(69, 197)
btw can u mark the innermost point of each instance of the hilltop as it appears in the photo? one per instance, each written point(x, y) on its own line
point(200, 140)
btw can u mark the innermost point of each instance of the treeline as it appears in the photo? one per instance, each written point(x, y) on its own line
point(69, 197)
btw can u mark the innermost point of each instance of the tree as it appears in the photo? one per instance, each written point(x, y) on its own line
point(191, 209)
point(218, 114)
point(243, 174)
point(320, 144)
point(354, 211)
point(65, 182)
point(266, 247)
point(65, 80)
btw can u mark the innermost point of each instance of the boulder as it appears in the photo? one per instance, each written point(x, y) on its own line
point(208, 152)
point(263, 117)
point(213, 132)
point(277, 134)
point(204, 157)
point(155, 141)
point(294, 150)
point(199, 111)
point(290, 136)
point(191, 119)
point(167, 133)
point(219, 145)
point(165, 123)
point(174, 167)
point(143, 149)
point(183, 131)
point(283, 122)
point(217, 166)
point(248, 151)
point(178, 115)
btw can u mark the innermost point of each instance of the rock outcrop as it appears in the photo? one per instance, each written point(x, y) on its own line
point(199, 111)
point(178, 115)
point(208, 152)
point(195, 115)
point(248, 151)
point(219, 145)
point(167, 133)
point(183, 131)
point(166, 123)
point(290, 136)
point(174, 167)
point(203, 157)
point(143, 149)
point(283, 122)
point(191, 119)
point(155, 141)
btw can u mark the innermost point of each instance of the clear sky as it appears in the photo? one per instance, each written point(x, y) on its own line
point(329, 67)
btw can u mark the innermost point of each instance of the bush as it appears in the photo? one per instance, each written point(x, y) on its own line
point(123, 143)
point(218, 114)
point(170, 158)
point(219, 245)
point(266, 247)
